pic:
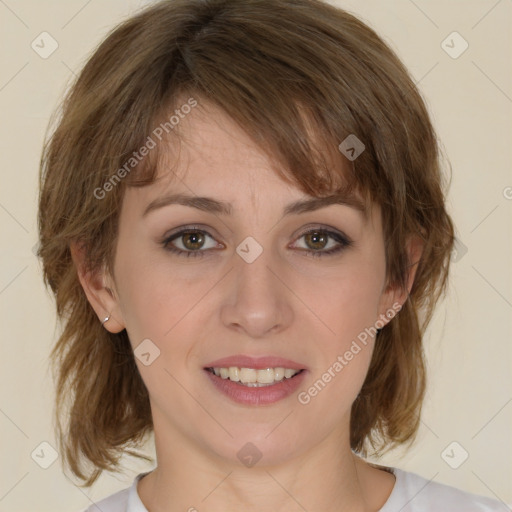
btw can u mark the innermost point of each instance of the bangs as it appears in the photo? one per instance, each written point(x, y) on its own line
point(296, 105)
point(308, 151)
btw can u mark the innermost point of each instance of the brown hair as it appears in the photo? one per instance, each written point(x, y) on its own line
point(277, 67)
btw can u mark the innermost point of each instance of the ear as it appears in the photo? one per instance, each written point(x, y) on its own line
point(100, 291)
point(393, 298)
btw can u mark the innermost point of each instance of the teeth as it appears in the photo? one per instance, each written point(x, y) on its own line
point(248, 375)
point(255, 378)
point(279, 373)
point(234, 374)
point(265, 376)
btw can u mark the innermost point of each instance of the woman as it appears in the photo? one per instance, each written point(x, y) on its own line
point(243, 221)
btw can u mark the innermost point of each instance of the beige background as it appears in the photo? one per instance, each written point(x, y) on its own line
point(469, 343)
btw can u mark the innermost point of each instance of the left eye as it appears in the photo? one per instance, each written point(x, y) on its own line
point(191, 242)
point(317, 242)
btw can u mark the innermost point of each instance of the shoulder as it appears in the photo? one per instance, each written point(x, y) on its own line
point(414, 493)
point(117, 502)
point(126, 500)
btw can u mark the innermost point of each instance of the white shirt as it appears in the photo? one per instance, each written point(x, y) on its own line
point(411, 493)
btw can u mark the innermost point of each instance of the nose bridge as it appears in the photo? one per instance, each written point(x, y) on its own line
point(253, 269)
point(257, 301)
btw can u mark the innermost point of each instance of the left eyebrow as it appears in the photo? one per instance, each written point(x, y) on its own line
point(315, 203)
point(210, 205)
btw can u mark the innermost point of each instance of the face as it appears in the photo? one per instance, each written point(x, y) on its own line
point(199, 288)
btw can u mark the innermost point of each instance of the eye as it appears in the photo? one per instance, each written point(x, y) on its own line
point(323, 242)
point(189, 242)
point(193, 242)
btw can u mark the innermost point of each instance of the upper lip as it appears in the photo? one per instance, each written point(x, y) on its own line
point(258, 363)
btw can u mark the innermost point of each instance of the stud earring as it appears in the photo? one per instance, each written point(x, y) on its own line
point(106, 319)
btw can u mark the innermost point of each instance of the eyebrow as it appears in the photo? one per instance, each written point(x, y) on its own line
point(210, 205)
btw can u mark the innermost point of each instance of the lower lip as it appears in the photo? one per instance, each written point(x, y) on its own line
point(257, 395)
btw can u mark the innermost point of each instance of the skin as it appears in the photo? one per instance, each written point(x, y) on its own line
point(286, 303)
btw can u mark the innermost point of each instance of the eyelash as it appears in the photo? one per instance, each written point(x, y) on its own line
point(342, 240)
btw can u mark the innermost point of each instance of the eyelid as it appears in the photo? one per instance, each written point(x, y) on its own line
point(324, 228)
point(341, 239)
point(319, 227)
point(304, 230)
point(188, 227)
point(182, 230)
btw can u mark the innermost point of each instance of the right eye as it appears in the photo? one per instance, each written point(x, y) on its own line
point(190, 242)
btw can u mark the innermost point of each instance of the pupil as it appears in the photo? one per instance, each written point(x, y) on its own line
point(197, 240)
point(318, 238)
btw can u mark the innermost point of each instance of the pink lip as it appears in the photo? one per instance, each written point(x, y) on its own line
point(255, 396)
point(258, 363)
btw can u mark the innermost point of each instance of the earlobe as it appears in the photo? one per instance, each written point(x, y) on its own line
point(100, 297)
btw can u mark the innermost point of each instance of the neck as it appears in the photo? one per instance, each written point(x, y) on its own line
point(328, 478)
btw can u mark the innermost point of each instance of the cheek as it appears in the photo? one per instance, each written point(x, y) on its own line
point(151, 300)
point(348, 306)
point(349, 303)
point(158, 300)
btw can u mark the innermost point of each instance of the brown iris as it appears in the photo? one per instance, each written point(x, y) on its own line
point(193, 240)
point(318, 239)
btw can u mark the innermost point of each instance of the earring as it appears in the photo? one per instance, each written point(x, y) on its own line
point(106, 319)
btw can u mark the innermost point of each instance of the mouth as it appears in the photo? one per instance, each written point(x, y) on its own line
point(253, 377)
point(255, 381)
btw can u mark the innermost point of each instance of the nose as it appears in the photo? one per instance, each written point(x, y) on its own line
point(258, 301)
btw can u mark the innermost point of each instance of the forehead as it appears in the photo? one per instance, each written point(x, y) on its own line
point(209, 162)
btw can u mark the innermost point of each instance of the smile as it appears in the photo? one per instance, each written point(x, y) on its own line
point(252, 377)
point(249, 390)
